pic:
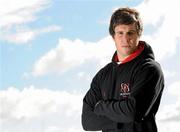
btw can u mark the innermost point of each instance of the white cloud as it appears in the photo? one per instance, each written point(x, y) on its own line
point(169, 114)
point(84, 76)
point(48, 110)
point(57, 129)
point(174, 89)
point(165, 18)
point(23, 36)
point(19, 12)
point(32, 102)
point(168, 126)
point(16, 15)
point(70, 54)
point(169, 74)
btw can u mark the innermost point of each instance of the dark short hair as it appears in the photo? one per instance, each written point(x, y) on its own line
point(125, 16)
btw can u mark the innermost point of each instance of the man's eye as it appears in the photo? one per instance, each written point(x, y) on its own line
point(131, 33)
point(119, 33)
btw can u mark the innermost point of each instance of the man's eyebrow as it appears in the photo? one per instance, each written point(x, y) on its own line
point(132, 30)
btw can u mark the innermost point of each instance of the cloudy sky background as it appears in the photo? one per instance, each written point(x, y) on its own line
point(51, 49)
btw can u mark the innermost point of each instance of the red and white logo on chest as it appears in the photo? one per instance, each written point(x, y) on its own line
point(124, 89)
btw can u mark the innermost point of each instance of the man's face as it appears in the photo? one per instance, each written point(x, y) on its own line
point(126, 39)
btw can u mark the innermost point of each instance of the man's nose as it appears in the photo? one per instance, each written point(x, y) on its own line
point(125, 38)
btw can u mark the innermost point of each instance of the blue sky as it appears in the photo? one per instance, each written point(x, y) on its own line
point(51, 49)
point(75, 20)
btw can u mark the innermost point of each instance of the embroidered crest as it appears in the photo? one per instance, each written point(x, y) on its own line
point(125, 90)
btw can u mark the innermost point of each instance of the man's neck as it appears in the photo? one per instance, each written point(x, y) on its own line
point(121, 57)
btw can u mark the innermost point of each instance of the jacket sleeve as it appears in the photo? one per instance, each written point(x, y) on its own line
point(90, 120)
point(147, 86)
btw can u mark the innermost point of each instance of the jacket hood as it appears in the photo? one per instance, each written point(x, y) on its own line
point(148, 52)
point(144, 51)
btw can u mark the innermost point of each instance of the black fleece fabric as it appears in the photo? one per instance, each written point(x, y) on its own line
point(125, 97)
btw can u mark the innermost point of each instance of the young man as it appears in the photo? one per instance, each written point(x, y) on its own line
point(125, 94)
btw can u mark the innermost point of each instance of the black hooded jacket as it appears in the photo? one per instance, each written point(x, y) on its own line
point(125, 97)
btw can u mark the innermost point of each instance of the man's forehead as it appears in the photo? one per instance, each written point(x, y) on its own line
point(123, 26)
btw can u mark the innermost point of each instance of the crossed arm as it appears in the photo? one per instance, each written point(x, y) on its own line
point(99, 114)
